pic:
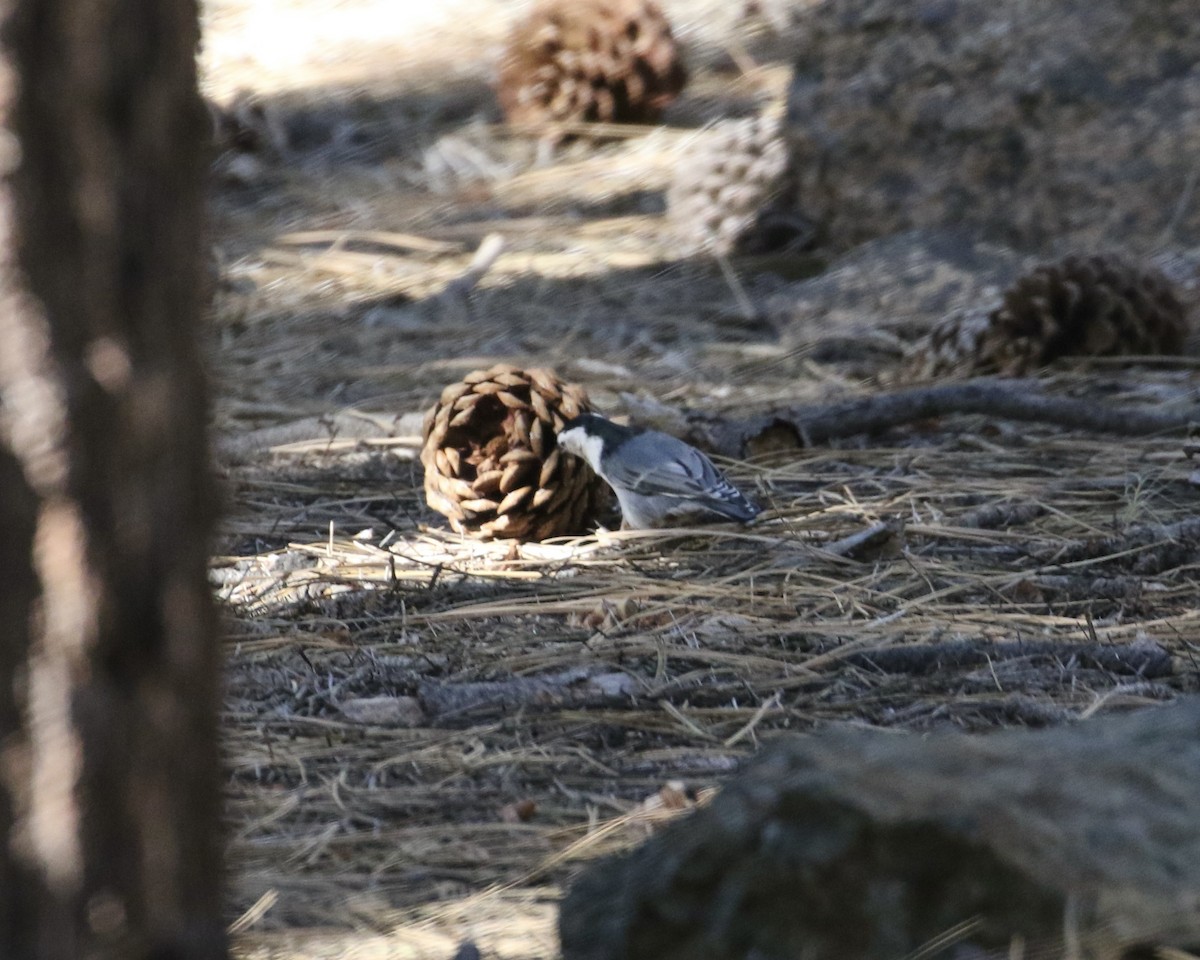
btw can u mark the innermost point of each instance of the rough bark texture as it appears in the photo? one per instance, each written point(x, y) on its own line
point(1048, 126)
point(17, 507)
point(787, 428)
point(867, 845)
point(109, 715)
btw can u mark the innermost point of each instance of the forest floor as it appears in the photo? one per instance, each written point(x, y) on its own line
point(613, 678)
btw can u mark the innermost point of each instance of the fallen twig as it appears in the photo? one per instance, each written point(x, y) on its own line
point(1183, 535)
point(1148, 660)
point(882, 538)
point(454, 298)
point(379, 238)
point(1009, 399)
point(341, 425)
point(1009, 513)
point(575, 687)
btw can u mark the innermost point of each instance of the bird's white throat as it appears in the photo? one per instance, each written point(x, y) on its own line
point(582, 444)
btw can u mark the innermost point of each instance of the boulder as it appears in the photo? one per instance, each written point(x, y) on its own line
point(1050, 127)
point(857, 845)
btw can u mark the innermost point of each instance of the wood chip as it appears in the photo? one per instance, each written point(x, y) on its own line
point(385, 711)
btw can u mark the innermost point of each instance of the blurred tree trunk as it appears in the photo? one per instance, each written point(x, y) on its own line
point(108, 666)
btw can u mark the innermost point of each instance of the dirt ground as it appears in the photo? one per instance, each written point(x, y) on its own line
point(611, 679)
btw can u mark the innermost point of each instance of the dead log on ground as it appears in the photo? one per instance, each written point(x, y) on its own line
point(806, 426)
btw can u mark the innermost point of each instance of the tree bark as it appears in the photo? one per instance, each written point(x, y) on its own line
point(109, 670)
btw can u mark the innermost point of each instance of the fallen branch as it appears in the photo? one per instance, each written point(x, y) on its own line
point(378, 238)
point(1146, 660)
point(1083, 588)
point(1005, 399)
point(1015, 710)
point(1007, 514)
point(880, 539)
point(577, 687)
point(340, 425)
point(1182, 536)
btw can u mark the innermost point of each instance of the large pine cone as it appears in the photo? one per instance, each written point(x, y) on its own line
point(729, 187)
point(612, 61)
point(492, 466)
point(1081, 306)
point(1091, 306)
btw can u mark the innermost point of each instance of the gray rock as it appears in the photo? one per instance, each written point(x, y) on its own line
point(904, 283)
point(1047, 126)
point(867, 845)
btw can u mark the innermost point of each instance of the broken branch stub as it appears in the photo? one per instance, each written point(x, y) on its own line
point(862, 845)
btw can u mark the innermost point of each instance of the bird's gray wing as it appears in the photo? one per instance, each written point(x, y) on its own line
point(654, 464)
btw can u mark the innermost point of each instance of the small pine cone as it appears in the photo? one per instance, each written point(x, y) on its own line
point(726, 192)
point(611, 61)
point(1081, 306)
point(950, 349)
point(492, 465)
point(1086, 306)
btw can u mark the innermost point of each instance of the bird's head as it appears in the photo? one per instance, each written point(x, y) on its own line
point(587, 435)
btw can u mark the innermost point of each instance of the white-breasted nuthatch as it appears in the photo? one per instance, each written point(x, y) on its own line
point(657, 478)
